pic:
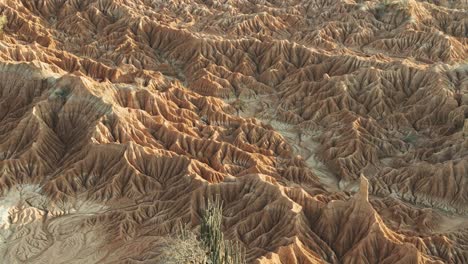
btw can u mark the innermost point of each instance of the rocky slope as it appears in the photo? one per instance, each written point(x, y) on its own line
point(333, 131)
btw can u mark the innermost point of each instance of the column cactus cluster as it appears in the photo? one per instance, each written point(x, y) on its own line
point(219, 250)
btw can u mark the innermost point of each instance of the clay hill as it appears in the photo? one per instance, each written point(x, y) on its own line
point(334, 131)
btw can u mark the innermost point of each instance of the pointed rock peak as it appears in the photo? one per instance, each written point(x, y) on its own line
point(363, 188)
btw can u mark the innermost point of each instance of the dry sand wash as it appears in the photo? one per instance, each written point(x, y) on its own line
point(118, 118)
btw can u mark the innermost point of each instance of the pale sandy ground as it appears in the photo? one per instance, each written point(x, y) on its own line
point(34, 230)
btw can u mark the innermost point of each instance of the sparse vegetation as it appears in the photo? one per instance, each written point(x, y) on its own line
point(380, 8)
point(183, 247)
point(211, 248)
point(61, 93)
point(211, 233)
point(385, 6)
point(385, 3)
point(402, 3)
point(239, 105)
point(3, 21)
point(410, 138)
point(219, 250)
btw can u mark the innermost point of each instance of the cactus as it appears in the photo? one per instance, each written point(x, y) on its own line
point(219, 250)
point(184, 247)
point(234, 253)
point(211, 234)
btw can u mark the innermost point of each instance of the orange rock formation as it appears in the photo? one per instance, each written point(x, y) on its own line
point(333, 131)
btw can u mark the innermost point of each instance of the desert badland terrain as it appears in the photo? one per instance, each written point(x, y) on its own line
point(334, 131)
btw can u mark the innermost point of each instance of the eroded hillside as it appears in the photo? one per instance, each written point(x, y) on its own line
point(333, 131)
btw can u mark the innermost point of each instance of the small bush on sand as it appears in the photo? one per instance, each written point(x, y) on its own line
point(181, 248)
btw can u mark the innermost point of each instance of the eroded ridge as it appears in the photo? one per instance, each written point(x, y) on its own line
point(333, 131)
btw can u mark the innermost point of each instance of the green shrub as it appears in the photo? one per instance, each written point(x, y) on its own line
point(410, 138)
